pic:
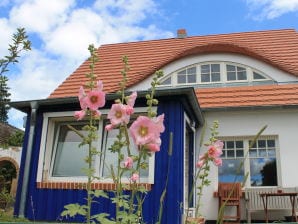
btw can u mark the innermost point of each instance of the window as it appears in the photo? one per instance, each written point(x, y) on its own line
point(235, 73)
point(260, 164)
point(66, 145)
point(187, 76)
point(213, 73)
point(61, 157)
point(210, 73)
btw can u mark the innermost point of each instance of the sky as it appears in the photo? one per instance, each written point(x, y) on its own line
point(61, 30)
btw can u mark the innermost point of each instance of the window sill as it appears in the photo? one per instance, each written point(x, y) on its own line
point(83, 185)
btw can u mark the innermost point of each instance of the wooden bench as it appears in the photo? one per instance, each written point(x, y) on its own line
point(254, 203)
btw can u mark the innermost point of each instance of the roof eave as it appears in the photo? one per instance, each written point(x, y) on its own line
point(191, 104)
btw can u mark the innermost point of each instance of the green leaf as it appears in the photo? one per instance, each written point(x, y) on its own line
point(74, 209)
point(100, 193)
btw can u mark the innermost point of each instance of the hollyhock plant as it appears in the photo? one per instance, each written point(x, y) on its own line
point(118, 114)
point(128, 163)
point(212, 154)
point(146, 131)
point(135, 177)
point(95, 99)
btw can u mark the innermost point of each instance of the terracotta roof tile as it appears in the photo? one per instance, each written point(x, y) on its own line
point(277, 47)
point(245, 96)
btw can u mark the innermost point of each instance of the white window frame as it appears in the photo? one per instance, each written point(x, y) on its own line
point(246, 167)
point(188, 124)
point(223, 74)
point(46, 154)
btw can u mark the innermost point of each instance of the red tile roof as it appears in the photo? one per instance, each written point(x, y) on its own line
point(248, 96)
point(276, 47)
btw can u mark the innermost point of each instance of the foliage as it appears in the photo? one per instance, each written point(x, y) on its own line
point(6, 216)
point(6, 198)
point(213, 153)
point(145, 131)
point(20, 43)
point(16, 139)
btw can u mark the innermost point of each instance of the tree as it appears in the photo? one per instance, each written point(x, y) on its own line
point(20, 43)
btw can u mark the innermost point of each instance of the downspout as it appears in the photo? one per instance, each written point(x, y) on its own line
point(34, 107)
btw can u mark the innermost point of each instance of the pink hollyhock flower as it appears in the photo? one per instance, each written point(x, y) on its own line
point(109, 127)
point(99, 85)
point(154, 147)
point(214, 152)
point(159, 123)
point(143, 131)
point(128, 163)
point(217, 161)
point(95, 99)
point(135, 177)
point(129, 110)
point(131, 99)
point(200, 163)
point(118, 115)
point(218, 144)
point(82, 98)
point(96, 113)
point(79, 115)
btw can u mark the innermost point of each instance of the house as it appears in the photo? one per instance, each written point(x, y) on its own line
point(243, 80)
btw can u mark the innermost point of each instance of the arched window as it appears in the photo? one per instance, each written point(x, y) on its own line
point(213, 73)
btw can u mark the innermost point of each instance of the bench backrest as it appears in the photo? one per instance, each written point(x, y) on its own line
point(254, 200)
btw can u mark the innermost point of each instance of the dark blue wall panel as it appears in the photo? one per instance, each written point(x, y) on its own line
point(47, 204)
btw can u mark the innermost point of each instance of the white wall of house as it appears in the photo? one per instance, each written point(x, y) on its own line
point(281, 122)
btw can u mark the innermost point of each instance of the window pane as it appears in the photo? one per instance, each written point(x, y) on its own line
point(242, 75)
point(252, 153)
point(192, 70)
point(231, 76)
point(262, 153)
point(271, 143)
point(166, 81)
point(181, 79)
point(263, 172)
point(239, 153)
point(183, 72)
point(192, 78)
point(214, 68)
point(215, 77)
point(230, 171)
point(110, 158)
point(271, 153)
point(230, 153)
point(230, 145)
point(69, 158)
point(258, 76)
point(205, 69)
point(231, 68)
point(239, 144)
point(262, 143)
point(205, 78)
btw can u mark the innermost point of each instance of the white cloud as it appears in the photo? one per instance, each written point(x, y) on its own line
point(5, 37)
point(64, 32)
point(271, 9)
point(40, 15)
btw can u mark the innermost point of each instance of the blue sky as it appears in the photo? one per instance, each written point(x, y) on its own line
point(61, 31)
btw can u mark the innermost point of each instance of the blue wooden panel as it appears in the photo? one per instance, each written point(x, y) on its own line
point(47, 204)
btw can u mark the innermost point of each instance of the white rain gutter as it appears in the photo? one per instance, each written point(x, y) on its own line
point(24, 191)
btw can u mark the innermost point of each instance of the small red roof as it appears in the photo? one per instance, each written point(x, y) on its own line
point(248, 96)
point(276, 47)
